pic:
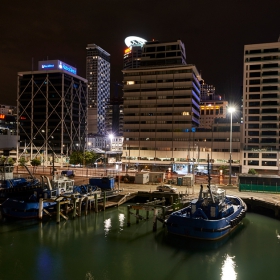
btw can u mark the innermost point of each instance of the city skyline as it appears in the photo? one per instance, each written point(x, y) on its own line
point(214, 35)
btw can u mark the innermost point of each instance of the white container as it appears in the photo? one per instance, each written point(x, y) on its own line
point(142, 178)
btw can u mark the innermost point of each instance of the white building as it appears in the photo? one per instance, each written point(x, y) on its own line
point(98, 76)
point(261, 107)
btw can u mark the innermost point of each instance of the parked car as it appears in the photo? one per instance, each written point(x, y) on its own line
point(166, 188)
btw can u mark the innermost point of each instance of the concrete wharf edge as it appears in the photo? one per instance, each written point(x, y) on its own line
point(256, 201)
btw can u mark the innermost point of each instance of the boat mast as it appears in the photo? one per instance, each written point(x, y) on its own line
point(209, 180)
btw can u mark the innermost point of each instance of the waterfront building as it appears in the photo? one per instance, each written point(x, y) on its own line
point(109, 147)
point(261, 92)
point(161, 102)
point(98, 76)
point(52, 111)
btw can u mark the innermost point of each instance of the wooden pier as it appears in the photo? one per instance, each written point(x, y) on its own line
point(77, 204)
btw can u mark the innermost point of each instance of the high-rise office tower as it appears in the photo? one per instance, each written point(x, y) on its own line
point(133, 52)
point(261, 91)
point(98, 76)
point(166, 53)
point(52, 110)
point(161, 102)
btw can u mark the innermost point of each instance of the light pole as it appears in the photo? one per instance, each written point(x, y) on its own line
point(230, 110)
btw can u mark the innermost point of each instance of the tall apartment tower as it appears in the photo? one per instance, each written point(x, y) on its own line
point(161, 102)
point(52, 110)
point(98, 76)
point(261, 107)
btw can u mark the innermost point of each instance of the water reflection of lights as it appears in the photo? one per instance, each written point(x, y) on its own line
point(121, 219)
point(228, 269)
point(277, 234)
point(107, 226)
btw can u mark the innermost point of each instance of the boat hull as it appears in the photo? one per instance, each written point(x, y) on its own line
point(19, 209)
point(184, 224)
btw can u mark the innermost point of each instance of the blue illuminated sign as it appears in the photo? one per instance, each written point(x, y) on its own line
point(67, 68)
point(56, 65)
point(48, 66)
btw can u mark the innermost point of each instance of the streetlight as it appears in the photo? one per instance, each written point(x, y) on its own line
point(230, 110)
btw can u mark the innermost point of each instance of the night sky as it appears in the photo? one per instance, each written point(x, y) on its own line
point(214, 33)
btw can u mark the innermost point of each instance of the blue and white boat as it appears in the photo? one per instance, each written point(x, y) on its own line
point(15, 186)
point(22, 207)
point(211, 216)
point(26, 207)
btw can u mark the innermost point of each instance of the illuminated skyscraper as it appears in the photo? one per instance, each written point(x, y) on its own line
point(161, 102)
point(98, 76)
point(261, 106)
point(52, 110)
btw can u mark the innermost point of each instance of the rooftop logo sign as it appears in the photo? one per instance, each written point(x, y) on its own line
point(56, 65)
point(134, 41)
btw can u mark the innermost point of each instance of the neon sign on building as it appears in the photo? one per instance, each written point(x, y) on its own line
point(56, 65)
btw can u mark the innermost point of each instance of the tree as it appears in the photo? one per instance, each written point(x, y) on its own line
point(252, 171)
point(78, 157)
point(6, 160)
point(22, 161)
point(224, 168)
point(90, 157)
point(35, 162)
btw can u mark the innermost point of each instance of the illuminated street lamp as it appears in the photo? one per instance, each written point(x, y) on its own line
point(230, 110)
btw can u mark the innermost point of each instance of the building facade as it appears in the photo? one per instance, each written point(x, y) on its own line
point(7, 109)
point(211, 106)
point(161, 104)
point(261, 92)
point(52, 111)
point(98, 76)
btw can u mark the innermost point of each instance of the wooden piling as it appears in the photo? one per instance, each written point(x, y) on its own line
point(58, 212)
point(86, 206)
point(41, 204)
point(74, 207)
point(163, 215)
point(80, 201)
point(96, 202)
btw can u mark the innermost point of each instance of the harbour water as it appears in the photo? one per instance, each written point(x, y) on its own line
point(101, 246)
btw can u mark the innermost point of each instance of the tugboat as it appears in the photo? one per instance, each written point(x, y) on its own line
point(211, 216)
